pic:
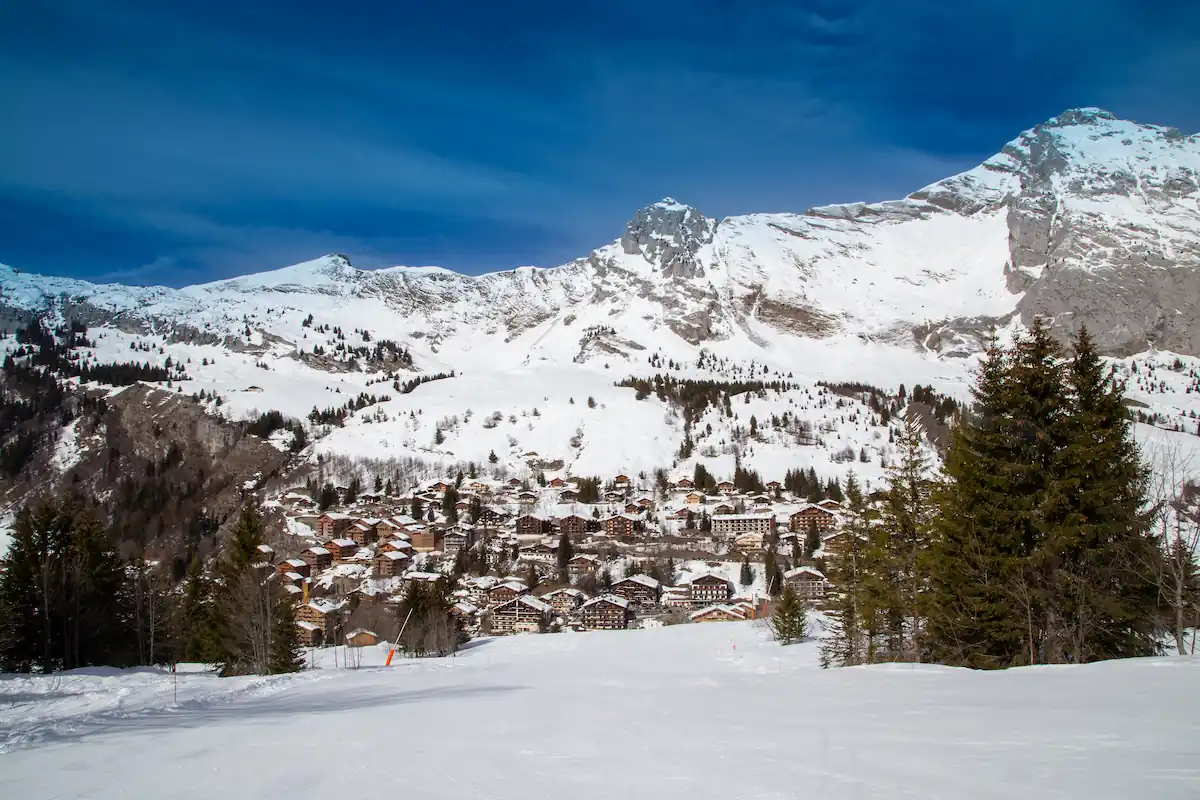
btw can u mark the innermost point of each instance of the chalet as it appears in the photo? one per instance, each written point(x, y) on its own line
point(707, 589)
point(297, 565)
point(402, 505)
point(726, 487)
point(455, 541)
point(564, 601)
point(297, 500)
point(723, 613)
point(772, 486)
point(532, 525)
point(582, 565)
point(823, 518)
point(633, 508)
point(808, 582)
point(753, 540)
point(426, 540)
point(467, 611)
point(608, 613)
point(370, 498)
point(317, 558)
point(423, 577)
point(682, 513)
point(504, 592)
point(479, 487)
point(639, 590)
point(723, 508)
point(333, 524)
point(527, 497)
point(309, 634)
point(693, 499)
point(391, 563)
point(614, 496)
point(266, 554)
point(364, 532)
point(396, 545)
point(830, 505)
point(478, 588)
point(489, 516)
point(645, 503)
point(556, 483)
point(522, 614)
point(291, 579)
point(341, 549)
point(835, 545)
point(729, 526)
point(461, 506)
point(568, 496)
point(622, 525)
point(440, 487)
point(513, 483)
point(675, 597)
point(325, 614)
point(573, 525)
point(621, 480)
point(361, 637)
point(540, 551)
point(683, 483)
point(760, 500)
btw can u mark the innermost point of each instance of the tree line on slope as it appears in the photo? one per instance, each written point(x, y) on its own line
point(68, 600)
point(1036, 546)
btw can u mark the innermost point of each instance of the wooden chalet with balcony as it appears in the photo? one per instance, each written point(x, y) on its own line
point(341, 550)
point(581, 565)
point(332, 524)
point(622, 525)
point(391, 563)
point(809, 583)
point(823, 518)
point(297, 565)
point(565, 601)
point(317, 558)
point(723, 613)
point(503, 592)
point(427, 539)
point(639, 590)
point(532, 525)
point(709, 589)
point(573, 525)
point(607, 613)
point(522, 614)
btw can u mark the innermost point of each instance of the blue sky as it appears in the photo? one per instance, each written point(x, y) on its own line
point(153, 142)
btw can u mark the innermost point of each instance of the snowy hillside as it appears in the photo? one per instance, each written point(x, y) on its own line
point(1084, 218)
point(711, 710)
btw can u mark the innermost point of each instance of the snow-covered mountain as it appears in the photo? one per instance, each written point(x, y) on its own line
point(1084, 219)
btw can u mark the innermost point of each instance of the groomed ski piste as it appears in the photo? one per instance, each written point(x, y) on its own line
point(692, 711)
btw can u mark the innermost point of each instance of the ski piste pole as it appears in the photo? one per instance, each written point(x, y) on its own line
point(396, 643)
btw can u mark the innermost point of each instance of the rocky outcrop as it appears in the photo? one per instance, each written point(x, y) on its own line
point(669, 234)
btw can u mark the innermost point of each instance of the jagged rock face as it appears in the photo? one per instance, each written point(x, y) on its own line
point(669, 234)
point(1084, 219)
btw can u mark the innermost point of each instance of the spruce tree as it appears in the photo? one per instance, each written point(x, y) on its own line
point(789, 622)
point(1102, 601)
point(417, 507)
point(746, 577)
point(192, 622)
point(977, 544)
point(844, 643)
point(564, 555)
point(449, 499)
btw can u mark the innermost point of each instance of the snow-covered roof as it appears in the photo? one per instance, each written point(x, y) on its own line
point(515, 586)
point(266, 548)
point(344, 543)
point(326, 606)
point(317, 550)
point(798, 571)
point(735, 517)
point(734, 610)
point(392, 555)
point(616, 600)
point(335, 515)
point(428, 577)
point(644, 580)
point(296, 562)
point(528, 600)
point(357, 631)
point(569, 591)
point(308, 626)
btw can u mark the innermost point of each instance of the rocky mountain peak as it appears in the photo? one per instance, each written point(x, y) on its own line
point(669, 234)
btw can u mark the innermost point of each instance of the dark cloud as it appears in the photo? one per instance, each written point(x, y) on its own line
point(174, 142)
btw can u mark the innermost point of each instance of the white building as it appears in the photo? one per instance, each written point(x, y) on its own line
point(729, 526)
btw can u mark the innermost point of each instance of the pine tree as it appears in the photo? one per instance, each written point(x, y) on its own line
point(812, 539)
point(449, 499)
point(286, 653)
point(565, 553)
point(746, 577)
point(328, 498)
point(1103, 601)
point(977, 545)
point(418, 506)
point(492, 457)
point(844, 643)
point(789, 622)
point(192, 622)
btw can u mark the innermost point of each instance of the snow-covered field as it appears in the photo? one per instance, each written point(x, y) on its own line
point(692, 711)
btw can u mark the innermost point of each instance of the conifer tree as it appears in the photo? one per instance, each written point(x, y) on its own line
point(192, 622)
point(449, 499)
point(789, 622)
point(564, 555)
point(976, 551)
point(844, 643)
point(746, 577)
point(417, 508)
